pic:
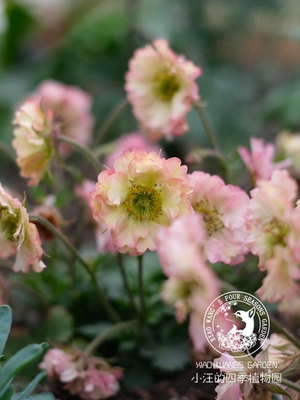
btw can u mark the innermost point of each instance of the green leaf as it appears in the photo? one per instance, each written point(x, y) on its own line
point(58, 326)
point(43, 396)
point(5, 324)
point(8, 393)
point(30, 388)
point(18, 361)
point(3, 358)
point(169, 357)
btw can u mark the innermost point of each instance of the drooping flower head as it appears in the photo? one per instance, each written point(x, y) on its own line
point(161, 88)
point(33, 140)
point(141, 193)
point(71, 107)
point(260, 159)
point(274, 231)
point(223, 209)
point(18, 235)
point(191, 285)
point(129, 142)
point(90, 378)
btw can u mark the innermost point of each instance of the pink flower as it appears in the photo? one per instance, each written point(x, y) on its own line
point(33, 140)
point(259, 160)
point(87, 377)
point(223, 209)
point(104, 241)
point(71, 107)
point(274, 232)
point(48, 211)
point(141, 193)
point(191, 285)
point(289, 145)
point(18, 236)
point(129, 142)
point(161, 88)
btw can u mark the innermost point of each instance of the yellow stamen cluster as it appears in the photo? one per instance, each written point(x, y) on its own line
point(144, 203)
point(278, 231)
point(211, 217)
point(166, 85)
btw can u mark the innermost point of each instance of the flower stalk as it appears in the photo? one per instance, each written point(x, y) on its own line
point(85, 151)
point(101, 296)
point(91, 347)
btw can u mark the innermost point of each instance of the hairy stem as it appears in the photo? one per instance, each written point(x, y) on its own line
point(125, 280)
point(110, 120)
point(290, 384)
point(85, 151)
point(141, 291)
point(212, 137)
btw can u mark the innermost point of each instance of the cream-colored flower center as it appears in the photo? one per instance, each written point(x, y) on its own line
point(144, 203)
point(8, 223)
point(166, 85)
point(210, 215)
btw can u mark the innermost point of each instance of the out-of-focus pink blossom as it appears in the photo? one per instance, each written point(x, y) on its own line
point(88, 377)
point(274, 232)
point(161, 88)
point(48, 211)
point(260, 159)
point(71, 107)
point(288, 144)
point(33, 140)
point(18, 235)
point(223, 209)
point(141, 193)
point(191, 285)
point(129, 142)
point(104, 241)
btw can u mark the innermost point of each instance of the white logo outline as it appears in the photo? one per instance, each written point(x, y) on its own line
point(247, 338)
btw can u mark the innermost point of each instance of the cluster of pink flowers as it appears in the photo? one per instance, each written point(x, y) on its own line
point(18, 235)
point(260, 160)
point(161, 88)
point(52, 109)
point(191, 285)
point(90, 378)
point(274, 234)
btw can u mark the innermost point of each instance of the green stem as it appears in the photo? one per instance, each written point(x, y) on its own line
point(141, 290)
point(290, 384)
point(212, 137)
point(107, 333)
point(276, 325)
point(85, 151)
point(125, 280)
point(106, 305)
point(110, 120)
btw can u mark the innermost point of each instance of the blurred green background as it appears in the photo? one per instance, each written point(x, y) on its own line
point(249, 52)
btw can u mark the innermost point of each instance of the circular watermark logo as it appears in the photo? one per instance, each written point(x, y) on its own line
point(236, 322)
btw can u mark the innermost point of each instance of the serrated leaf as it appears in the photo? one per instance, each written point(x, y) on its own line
point(30, 388)
point(5, 324)
point(170, 358)
point(18, 361)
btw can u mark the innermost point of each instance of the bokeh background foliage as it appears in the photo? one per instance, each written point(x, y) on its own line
point(250, 55)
